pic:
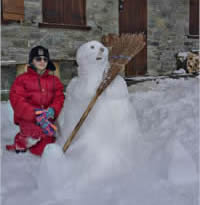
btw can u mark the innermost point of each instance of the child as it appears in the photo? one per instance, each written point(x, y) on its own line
point(37, 99)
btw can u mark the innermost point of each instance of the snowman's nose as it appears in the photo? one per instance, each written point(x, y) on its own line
point(102, 49)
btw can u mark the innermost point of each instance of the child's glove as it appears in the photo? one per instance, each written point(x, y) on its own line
point(49, 113)
point(42, 120)
point(48, 128)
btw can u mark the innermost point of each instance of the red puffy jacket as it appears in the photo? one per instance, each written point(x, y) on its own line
point(30, 91)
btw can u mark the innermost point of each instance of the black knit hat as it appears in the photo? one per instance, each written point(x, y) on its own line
point(41, 51)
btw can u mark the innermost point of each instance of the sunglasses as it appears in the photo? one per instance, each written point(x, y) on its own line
point(38, 59)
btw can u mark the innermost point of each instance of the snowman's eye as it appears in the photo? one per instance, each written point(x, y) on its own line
point(92, 47)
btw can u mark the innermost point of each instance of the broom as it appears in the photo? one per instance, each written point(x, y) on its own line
point(124, 48)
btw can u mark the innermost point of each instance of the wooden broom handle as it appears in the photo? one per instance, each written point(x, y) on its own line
point(83, 117)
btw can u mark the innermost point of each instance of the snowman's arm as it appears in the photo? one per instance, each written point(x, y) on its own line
point(71, 86)
point(69, 109)
point(118, 88)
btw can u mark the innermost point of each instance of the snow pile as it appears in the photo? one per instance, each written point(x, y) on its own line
point(171, 112)
point(167, 114)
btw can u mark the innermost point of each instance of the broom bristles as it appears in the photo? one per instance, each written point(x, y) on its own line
point(125, 47)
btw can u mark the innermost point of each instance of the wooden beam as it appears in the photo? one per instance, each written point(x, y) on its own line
point(64, 26)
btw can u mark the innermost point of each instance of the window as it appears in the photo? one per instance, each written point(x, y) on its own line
point(194, 18)
point(62, 13)
point(12, 10)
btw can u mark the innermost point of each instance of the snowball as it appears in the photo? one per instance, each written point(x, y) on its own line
point(52, 172)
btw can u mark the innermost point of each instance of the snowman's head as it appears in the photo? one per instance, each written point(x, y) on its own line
point(92, 54)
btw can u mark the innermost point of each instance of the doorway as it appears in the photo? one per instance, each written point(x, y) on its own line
point(133, 19)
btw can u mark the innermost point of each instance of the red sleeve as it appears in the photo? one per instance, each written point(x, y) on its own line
point(22, 109)
point(58, 100)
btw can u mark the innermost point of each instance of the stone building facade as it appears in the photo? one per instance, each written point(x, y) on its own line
point(167, 30)
point(168, 34)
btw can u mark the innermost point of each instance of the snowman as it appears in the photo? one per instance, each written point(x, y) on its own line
point(110, 130)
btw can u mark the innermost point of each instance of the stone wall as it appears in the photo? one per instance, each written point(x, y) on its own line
point(168, 27)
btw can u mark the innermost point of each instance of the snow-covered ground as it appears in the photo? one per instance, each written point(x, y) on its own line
point(168, 115)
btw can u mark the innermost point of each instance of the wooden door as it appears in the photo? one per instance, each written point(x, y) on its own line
point(194, 17)
point(133, 19)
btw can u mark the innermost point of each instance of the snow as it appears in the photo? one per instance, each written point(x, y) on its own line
point(183, 55)
point(138, 146)
point(182, 168)
point(168, 113)
point(52, 175)
point(180, 71)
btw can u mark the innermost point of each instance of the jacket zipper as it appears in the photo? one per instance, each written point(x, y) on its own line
point(39, 83)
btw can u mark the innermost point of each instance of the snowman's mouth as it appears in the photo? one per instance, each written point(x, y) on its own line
point(99, 58)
